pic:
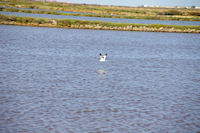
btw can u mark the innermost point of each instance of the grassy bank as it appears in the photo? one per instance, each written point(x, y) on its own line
point(108, 11)
point(99, 15)
point(80, 24)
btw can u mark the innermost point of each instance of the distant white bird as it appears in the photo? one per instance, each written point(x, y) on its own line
point(102, 58)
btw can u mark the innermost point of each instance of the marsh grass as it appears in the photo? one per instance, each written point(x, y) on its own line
point(69, 23)
point(107, 11)
point(156, 17)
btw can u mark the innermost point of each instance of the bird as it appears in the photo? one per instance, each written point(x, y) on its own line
point(102, 58)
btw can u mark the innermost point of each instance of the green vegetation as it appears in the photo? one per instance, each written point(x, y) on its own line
point(106, 11)
point(106, 16)
point(99, 11)
point(67, 23)
point(171, 12)
point(22, 20)
point(31, 11)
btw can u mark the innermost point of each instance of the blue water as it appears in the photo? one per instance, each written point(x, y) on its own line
point(115, 20)
point(51, 81)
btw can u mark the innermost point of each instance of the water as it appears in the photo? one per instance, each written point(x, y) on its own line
point(51, 81)
point(115, 20)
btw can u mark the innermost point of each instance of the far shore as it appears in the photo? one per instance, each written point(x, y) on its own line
point(156, 17)
point(179, 14)
point(98, 25)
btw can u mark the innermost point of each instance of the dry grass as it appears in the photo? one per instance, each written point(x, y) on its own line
point(112, 11)
point(80, 24)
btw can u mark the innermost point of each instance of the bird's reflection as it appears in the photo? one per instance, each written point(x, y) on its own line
point(101, 71)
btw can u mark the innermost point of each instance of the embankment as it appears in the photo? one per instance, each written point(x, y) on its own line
point(80, 24)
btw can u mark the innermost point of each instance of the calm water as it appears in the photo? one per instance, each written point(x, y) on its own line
point(115, 20)
point(51, 81)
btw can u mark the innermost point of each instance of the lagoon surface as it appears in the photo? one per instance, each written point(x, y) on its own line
point(51, 81)
point(114, 20)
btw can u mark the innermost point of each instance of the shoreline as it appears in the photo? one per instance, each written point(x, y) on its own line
point(96, 25)
point(103, 11)
point(55, 12)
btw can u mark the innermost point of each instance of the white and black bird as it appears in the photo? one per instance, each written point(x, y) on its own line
point(102, 58)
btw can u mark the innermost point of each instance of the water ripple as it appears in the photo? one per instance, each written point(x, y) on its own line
point(51, 81)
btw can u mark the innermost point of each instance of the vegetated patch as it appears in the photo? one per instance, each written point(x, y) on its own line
point(160, 13)
point(171, 12)
point(69, 23)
